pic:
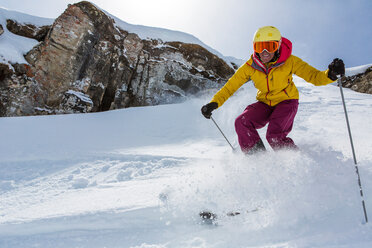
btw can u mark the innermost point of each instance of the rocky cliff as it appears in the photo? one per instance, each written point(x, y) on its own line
point(84, 62)
point(361, 82)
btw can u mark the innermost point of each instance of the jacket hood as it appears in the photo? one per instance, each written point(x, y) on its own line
point(285, 50)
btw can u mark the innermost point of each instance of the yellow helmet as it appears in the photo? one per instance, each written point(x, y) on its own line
point(267, 33)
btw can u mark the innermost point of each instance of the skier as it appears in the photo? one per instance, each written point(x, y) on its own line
point(271, 67)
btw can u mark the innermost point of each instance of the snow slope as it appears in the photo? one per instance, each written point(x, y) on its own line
point(138, 178)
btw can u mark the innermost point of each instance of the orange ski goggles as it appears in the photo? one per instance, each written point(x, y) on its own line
point(269, 46)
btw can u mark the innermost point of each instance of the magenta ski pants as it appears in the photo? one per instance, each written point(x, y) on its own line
point(280, 119)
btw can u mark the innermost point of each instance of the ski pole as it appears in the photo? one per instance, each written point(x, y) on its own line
point(352, 148)
point(222, 133)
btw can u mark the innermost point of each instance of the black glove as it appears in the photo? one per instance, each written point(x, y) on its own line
point(337, 67)
point(208, 108)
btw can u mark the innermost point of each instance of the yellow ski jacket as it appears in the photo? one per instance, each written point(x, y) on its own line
point(274, 84)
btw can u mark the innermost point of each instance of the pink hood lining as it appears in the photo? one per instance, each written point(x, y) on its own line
point(285, 50)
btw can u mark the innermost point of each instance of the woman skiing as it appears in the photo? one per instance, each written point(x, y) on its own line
point(271, 67)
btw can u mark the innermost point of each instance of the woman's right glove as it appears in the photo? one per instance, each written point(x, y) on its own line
point(208, 108)
point(337, 67)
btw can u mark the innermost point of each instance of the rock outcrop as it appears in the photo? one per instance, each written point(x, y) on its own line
point(5, 72)
point(361, 82)
point(1, 29)
point(27, 30)
point(86, 63)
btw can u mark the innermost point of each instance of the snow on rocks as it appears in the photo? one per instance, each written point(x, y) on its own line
point(27, 30)
point(74, 101)
point(356, 70)
point(359, 79)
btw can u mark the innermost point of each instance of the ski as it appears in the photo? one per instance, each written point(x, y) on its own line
point(209, 217)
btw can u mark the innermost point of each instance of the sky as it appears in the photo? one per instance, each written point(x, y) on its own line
point(320, 30)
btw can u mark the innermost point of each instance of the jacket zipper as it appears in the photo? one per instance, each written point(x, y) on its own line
point(286, 92)
point(268, 86)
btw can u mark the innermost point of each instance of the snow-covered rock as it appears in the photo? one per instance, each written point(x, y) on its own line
point(359, 79)
point(27, 30)
point(119, 68)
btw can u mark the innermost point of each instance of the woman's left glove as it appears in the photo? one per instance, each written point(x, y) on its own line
point(337, 67)
point(208, 108)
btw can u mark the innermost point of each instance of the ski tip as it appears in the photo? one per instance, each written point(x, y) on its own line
point(208, 218)
point(233, 213)
point(206, 215)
